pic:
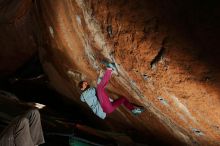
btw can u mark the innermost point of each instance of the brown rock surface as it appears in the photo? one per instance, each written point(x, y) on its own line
point(17, 41)
point(166, 53)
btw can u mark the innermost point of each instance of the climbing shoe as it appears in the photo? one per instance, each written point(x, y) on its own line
point(113, 67)
point(109, 65)
point(137, 111)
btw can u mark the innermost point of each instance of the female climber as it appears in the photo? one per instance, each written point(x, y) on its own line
point(99, 101)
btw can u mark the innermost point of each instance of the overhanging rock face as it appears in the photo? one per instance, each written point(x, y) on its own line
point(18, 43)
point(164, 60)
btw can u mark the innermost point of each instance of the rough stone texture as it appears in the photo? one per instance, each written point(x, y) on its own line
point(17, 40)
point(166, 53)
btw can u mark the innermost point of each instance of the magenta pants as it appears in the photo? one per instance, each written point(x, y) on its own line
point(109, 107)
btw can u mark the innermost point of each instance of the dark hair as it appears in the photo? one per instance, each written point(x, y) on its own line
point(80, 84)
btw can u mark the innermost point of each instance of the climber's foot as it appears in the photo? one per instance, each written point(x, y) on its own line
point(111, 66)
